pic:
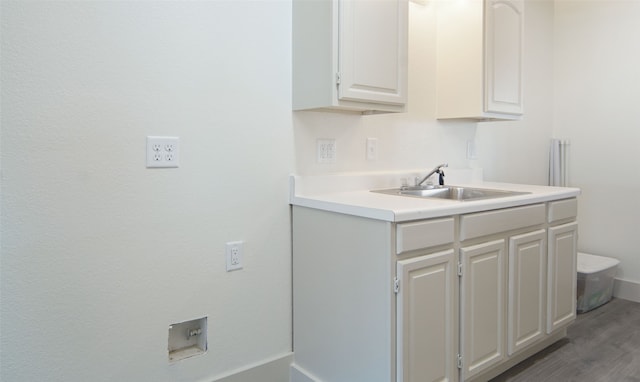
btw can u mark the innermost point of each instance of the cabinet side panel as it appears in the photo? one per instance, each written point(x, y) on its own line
point(313, 53)
point(342, 296)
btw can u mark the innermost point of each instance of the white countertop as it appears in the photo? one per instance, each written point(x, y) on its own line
point(350, 194)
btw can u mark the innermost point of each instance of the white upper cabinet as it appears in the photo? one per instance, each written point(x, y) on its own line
point(350, 55)
point(504, 35)
point(479, 59)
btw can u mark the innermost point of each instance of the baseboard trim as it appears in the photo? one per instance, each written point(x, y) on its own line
point(626, 290)
point(270, 370)
point(299, 374)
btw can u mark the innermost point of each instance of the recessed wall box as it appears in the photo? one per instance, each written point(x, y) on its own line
point(187, 339)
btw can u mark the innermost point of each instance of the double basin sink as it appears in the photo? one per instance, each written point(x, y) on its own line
point(449, 192)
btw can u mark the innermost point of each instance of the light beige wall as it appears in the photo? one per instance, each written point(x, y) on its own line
point(597, 88)
point(99, 254)
point(518, 152)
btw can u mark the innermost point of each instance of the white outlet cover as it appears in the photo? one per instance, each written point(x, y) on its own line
point(163, 151)
point(326, 150)
point(233, 255)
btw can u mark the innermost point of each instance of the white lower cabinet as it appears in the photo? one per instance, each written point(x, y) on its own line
point(426, 318)
point(458, 298)
point(561, 295)
point(527, 287)
point(483, 302)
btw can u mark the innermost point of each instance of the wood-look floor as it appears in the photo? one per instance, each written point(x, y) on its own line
point(603, 345)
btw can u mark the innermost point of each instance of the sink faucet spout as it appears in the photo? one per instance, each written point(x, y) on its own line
point(436, 170)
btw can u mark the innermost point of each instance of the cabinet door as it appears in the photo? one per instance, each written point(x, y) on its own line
point(562, 275)
point(482, 306)
point(504, 38)
point(527, 283)
point(373, 51)
point(426, 318)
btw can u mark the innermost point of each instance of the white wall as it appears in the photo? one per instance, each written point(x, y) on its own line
point(99, 254)
point(597, 89)
point(518, 152)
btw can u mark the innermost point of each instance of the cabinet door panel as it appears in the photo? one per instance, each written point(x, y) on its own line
point(527, 283)
point(483, 304)
point(426, 320)
point(373, 50)
point(504, 42)
point(562, 275)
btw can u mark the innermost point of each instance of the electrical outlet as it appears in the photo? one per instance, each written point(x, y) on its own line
point(233, 253)
point(326, 150)
point(162, 151)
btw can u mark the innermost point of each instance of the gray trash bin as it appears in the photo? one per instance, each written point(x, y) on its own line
point(595, 280)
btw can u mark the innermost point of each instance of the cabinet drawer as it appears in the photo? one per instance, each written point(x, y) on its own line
point(562, 209)
point(487, 223)
point(423, 234)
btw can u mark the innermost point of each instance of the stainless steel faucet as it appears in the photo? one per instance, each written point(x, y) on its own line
point(436, 170)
